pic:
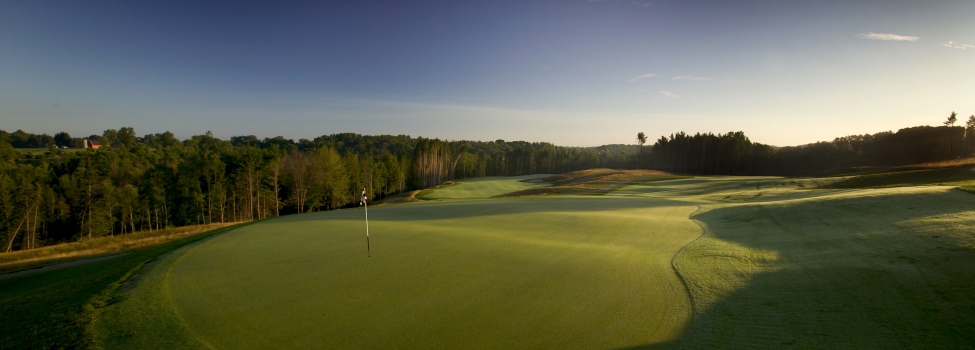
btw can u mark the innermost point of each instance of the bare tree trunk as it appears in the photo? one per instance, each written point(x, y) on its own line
point(27, 227)
point(250, 193)
point(223, 209)
point(209, 200)
point(277, 203)
point(10, 241)
point(89, 209)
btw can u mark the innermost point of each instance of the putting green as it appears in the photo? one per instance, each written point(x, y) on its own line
point(565, 272)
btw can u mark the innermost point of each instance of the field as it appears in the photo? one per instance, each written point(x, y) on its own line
point(647, 261)
point(37, 151)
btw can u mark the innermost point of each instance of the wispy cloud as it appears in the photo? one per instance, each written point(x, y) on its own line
point(959, 46)
point(683, 77)
point(883, 36)
point(648, 75)
point(642, 3)
point(668, 94)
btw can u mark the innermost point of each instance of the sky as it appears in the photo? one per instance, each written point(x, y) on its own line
point(568, 72)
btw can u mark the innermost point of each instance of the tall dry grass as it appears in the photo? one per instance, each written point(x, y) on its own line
point(97, 247)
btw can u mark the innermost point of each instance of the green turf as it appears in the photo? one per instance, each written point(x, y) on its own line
point(53, 309)
point(560, 272)
point(485, 187)
point(783, 264)
point(144, 318)
point(877, 269)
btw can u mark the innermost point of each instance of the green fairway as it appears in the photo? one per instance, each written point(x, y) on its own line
point(780, 264)
point(581, 272)
point(786, 265)
point(486, 187)
point(890, 268)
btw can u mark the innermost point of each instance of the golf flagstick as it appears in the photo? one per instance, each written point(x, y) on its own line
point(365, 203)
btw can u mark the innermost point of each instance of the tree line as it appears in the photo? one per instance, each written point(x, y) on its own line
point(157, 181)
point(734, 154)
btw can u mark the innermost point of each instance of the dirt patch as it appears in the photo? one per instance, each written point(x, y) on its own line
point(404, 198)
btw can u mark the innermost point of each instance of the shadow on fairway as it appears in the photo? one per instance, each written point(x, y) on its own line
point(858, 272)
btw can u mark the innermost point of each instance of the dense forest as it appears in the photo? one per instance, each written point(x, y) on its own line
point(52, 190)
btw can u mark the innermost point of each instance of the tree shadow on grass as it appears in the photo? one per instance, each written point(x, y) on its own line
point(891, 271)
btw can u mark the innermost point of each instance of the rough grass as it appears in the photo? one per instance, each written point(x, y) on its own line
point(96, 247)
point(941, 164)
point(559, 272)
point(53, 309)
point(956, 176)
point(867, 170)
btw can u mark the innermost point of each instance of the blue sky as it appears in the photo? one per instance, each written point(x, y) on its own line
point(570, 72)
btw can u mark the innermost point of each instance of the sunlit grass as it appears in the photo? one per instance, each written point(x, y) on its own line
point(562, 272)
point(484, 187)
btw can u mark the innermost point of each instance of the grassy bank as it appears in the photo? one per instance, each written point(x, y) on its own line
point(963, 177)
point(52, 309)
point(96, 247)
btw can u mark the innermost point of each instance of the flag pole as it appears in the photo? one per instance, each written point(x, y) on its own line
point(365, 203)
